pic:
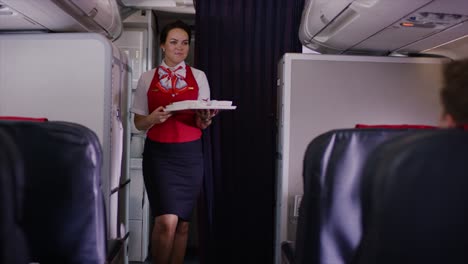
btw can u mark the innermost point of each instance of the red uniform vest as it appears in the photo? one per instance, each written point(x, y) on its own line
point(181, 126)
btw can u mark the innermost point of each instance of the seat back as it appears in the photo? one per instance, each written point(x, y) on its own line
point(416, 200)
point(13, 247)
point(329, 224)
point(64, 219)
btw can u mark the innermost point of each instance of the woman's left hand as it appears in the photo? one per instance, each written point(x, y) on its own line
point(204, 116)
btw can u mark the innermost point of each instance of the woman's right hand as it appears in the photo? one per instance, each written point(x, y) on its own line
point(159, 116)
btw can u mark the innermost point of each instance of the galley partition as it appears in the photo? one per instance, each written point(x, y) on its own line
point(318, 93)
point(80, 78)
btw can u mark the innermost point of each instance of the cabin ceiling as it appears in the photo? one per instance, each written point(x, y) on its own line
point(382, 27)
point(457, 49)
point(166, 11)
point(336, 26)
point(168, 6)
point(61, 16)
point(104, 17)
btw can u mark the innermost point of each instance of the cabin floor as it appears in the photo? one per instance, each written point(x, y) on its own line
point(190, 258)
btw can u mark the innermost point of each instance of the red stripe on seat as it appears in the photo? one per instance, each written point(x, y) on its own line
point(22, 118)
point(404, 126)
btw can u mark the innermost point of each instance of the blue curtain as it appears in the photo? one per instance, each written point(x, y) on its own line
point(238, 46)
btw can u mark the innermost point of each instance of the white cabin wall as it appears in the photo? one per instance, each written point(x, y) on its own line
point(72, 77)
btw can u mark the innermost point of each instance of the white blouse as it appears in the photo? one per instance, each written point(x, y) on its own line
point(140, 98)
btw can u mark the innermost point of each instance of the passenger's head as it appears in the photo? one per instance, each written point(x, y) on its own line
point(454, 94)
point(175, 40)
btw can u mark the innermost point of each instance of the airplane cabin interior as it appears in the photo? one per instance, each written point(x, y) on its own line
point(357, 169)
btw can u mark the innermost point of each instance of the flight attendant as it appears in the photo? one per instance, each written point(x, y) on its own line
point(172, 157)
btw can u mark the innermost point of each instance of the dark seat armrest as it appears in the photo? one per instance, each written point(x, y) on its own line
point(287, 252)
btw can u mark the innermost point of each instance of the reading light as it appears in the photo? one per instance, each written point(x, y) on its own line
point(407, 24)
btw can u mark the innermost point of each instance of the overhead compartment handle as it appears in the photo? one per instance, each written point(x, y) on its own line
point(340, 22)
point(346, 17)
point(365, 3)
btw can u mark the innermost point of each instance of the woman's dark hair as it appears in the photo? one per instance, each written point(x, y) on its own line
point(170, 26)
point(454, 93)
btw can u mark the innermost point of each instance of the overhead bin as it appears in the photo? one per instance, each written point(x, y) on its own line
point(381, 26)
point(44, 15)
point(12, 20)
point(98, 16)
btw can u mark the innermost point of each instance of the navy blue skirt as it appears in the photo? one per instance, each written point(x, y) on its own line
point(173, 175)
